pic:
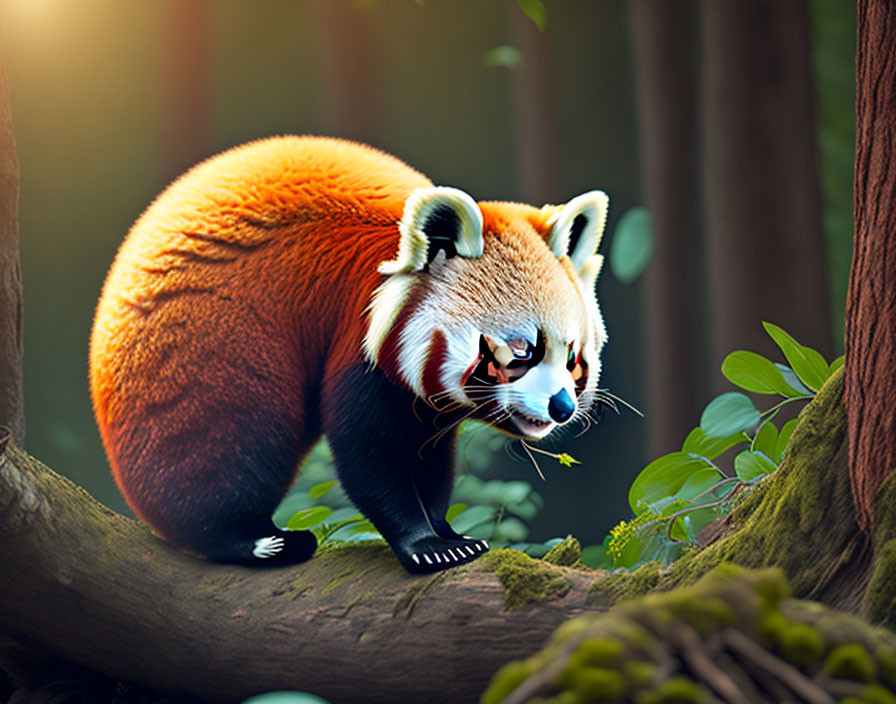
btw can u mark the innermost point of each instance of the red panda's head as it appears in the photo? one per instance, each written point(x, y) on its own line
point(492, 306)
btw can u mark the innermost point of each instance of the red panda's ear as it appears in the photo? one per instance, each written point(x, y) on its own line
point(436, 219)
point(576, 231)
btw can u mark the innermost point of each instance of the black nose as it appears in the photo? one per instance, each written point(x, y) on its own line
point(561, 406)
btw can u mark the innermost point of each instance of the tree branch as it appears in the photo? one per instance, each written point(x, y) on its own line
point(350, 625)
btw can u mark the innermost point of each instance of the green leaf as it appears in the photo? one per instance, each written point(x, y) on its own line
point(514, 492)
point(835, 365)
point(783, 440)
point(362, 526)
point(765, 439)
point(700, 444)
point(793, 381)
point(309, 517)
point(596, 557)
point(700, 481)
point(535, 11)
point(504, 56)
point(454, 511)
point(632, 244)
point(473, 518)
point(750, 465)
point(285, 698)
point(808, 364)
point(662, 478)
point(319, 490)
point(754, 372)
point(728, 414)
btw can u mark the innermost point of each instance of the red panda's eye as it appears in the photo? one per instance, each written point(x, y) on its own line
point(573, 358)
point(521, 348)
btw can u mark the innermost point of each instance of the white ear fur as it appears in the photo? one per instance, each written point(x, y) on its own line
point(593, 207)
point(419, 209)
point(589, 271)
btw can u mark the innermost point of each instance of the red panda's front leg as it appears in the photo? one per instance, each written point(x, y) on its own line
point(395, 477)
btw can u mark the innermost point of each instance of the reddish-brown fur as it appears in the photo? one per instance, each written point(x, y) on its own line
point(168, 360)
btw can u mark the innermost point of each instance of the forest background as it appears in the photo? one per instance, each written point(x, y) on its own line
point(749, 157)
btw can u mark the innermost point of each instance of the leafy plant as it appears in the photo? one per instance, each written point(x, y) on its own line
point(677, 495)
point(495, 510)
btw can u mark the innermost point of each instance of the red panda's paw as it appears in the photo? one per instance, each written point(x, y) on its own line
point(432, 553)
point(283, 548)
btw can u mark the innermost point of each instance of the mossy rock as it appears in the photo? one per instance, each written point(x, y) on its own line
point(642, 651)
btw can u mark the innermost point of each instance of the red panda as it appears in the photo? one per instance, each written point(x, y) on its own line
point(303, 286)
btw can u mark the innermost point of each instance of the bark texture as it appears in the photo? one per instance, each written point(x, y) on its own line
point(187, 105)
point(765, 244)
point(97, 589)
point(537, 142)
point(350, 92)
point(871, 307)
point(12, 409)
point(674, 292)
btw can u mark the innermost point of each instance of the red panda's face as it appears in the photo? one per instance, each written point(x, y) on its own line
point(496, 308)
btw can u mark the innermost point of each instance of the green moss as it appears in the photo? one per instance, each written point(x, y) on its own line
point(595, 684)
point(801, 644)
point(614, 587)
point(525, 580)
point(879, 602)
point(505, 680)
point(875, 694)
point(639, 674)
point(786, 521)
point(886, 664)
point(599, 652)
point(676, 690)
point(851, 662)
point(566, 553)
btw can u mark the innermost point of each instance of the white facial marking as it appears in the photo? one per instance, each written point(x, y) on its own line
point(385, 305)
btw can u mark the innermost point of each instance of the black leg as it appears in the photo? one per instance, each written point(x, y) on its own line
point(397, 479)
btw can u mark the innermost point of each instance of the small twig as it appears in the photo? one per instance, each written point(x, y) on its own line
point(532, 457)
point(701, 665)
point(799, 684)
point(5, 436)
point(671, 518)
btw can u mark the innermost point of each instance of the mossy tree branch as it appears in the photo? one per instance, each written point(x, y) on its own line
point(97, 589)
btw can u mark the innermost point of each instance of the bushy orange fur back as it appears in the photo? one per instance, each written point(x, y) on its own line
point(242, 228)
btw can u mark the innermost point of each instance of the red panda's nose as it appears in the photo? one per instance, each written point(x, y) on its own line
point(561, 406)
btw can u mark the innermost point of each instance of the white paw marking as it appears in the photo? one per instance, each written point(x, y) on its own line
point(445, 557)
point(453, 556)
point(267, 547)
point(426, 557)
point(415, 558)
point(469, 550)
point(436, 555)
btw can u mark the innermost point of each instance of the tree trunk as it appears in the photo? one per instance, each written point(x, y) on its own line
point(186, 117)
point(535, 106)
point(871, 307)
point(349, 66)
point(12, 409)
point(765, 243)
point(676, 385)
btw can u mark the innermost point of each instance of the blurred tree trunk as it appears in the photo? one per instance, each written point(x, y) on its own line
point(535, 108)
point(187, 109)
point(765, 245)
point(675, 382)
point(12, 409)
point(871, 307)
point(349, 65)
